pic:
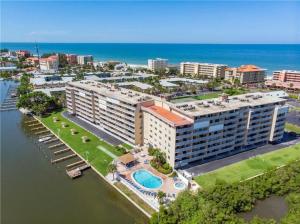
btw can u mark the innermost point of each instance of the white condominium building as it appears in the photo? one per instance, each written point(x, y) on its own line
point(203, 69)
point(49, 64)
point(84, 59)
point(157, 64)
point(187, 132)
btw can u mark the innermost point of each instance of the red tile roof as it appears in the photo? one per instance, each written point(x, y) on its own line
point(168, 115)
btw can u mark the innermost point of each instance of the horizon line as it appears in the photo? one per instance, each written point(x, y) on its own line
point(29, 42)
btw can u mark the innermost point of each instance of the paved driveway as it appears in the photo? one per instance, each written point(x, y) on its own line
point(96, 131)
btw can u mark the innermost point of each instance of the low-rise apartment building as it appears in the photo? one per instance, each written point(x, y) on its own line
point(187, 132)
point(285, 79)
point(203, 69)
point(246, 74)
point(158, 64)
point(84, 59)
point(49, 64)
point(71, 59)
point(23, 53)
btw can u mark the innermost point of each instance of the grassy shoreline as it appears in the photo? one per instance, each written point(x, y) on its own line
point(97, 158)
point(250, 167)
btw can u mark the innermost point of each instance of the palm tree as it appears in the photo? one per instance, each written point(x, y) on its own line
point(112, 168)
point(161, 195)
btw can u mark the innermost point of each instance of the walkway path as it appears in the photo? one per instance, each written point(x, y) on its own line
point(107, 152)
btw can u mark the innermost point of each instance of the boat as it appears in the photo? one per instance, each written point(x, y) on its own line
point(44, 139)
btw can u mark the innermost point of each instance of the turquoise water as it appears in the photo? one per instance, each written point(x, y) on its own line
point(179, 185)
point(147, 179)
point(269, 56)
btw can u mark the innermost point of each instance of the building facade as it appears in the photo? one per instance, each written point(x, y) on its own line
point(203, 69)
point(23, 53)
point(71, 59)
point(84, 59)
point(187, 132)
point(246, 74)
point(158, 64)
point(285, 79)
point(49, 64)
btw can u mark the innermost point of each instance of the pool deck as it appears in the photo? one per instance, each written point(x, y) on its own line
point(168, 182)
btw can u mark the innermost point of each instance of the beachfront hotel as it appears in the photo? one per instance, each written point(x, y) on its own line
point(203, 69)
point(158, 64)
point(197, 131)
point(246, 74)
point(285, 79)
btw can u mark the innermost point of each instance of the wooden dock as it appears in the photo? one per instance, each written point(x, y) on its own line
point(63, 158)
point(44, 136)
point(75, 164)
point(38, 128)
point(51, 140)
point(61, 151)
point(42, 132)
point(56, 145)
point(77, 172)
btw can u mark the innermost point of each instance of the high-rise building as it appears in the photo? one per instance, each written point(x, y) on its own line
point(157, 64)
point(203, 69)
point(186, 132)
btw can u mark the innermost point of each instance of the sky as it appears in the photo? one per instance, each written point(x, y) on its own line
point(151, 21)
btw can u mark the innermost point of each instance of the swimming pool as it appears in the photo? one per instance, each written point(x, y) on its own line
point(146, 179)
point(179, 185)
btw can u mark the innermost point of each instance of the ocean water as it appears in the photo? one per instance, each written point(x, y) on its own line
point(269, 56)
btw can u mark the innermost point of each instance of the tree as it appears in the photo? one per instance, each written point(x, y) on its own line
point(37, 102)
point(62, 60)
point(161, 196)
point(112, 168)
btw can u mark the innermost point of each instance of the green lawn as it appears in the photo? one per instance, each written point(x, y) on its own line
point(292, 128)
point(88, 150)
point(207, 96)
point(250, 167)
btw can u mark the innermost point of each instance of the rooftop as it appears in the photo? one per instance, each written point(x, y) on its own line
point(168, 82)
point(201, 63)
point(113, 91)
point(202, 107)
point(167, 115)
point(247, 68)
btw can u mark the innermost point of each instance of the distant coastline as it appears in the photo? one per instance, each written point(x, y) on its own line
point(269, 56)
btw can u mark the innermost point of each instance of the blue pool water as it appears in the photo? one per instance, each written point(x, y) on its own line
point(147, 179)
point(179, 185)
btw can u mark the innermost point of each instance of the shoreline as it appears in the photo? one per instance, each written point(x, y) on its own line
point(94, 169)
